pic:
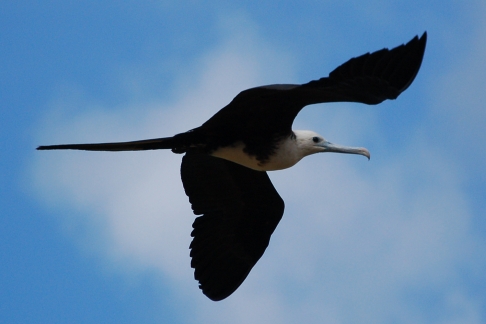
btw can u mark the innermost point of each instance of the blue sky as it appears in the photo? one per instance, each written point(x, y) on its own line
point(89, 237)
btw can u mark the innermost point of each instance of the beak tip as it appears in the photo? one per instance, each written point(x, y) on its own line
point(366, 153)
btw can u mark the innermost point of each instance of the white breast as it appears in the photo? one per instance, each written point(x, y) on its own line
point(286, 155)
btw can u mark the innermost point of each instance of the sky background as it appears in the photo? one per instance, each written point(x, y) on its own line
point(90, 237)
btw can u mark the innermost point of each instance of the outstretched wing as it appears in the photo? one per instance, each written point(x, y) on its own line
point(240, 209)
point(370, 79)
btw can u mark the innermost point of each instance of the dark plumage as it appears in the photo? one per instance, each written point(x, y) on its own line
point(224, 168)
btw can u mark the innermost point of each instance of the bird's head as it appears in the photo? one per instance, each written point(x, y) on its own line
point(310, 142)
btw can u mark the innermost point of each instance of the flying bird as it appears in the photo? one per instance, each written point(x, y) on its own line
point(224, 169)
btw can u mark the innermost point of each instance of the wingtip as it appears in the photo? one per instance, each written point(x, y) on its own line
point(422, 42)
point(416, 47)
point(423, 39)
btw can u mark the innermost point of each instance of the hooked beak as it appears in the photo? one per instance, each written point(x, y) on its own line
point(330, 147)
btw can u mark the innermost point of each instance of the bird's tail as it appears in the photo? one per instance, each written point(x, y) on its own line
point(149, 144)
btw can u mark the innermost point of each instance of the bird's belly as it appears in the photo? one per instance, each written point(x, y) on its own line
point(282, 159)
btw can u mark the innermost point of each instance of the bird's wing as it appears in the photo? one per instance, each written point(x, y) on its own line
point(240, 209)
point(370, 79)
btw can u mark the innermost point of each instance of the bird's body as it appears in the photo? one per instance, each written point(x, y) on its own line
point(288, 151)
point(226, 158)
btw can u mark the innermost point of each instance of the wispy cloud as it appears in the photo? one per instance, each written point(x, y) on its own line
point(135, 201)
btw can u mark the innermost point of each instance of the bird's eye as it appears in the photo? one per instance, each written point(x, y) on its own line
point(315, 139)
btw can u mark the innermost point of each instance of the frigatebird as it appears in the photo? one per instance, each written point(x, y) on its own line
point(224, 167)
